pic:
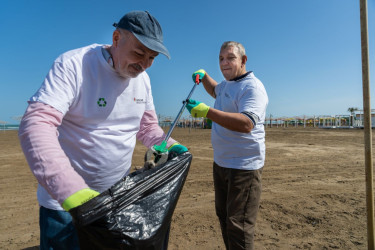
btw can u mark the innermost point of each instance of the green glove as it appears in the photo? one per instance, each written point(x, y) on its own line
point(78, 198)
point(197, 109)
point(201, 74)
point(176, 149)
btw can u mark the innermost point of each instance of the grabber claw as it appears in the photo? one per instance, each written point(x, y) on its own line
point(156, 155)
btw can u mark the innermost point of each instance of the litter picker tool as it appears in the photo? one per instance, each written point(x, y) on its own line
point(158, 154)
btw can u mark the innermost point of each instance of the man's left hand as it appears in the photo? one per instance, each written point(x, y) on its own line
point(176, 149)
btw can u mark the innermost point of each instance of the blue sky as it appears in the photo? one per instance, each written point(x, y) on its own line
point(307, 53)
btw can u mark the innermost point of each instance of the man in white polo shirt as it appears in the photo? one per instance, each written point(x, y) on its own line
point(238, 142)
point(80, 128)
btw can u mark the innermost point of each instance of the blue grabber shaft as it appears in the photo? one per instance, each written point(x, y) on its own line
point(160, 152)
point(181, 110)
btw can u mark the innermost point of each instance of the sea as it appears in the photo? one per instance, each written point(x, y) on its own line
point(9, 126)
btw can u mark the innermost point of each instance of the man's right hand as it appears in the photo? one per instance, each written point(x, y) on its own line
point(201, 74)
point(79, 198)
point(197, 109)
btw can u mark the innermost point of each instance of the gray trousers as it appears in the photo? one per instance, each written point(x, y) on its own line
point(237, 197)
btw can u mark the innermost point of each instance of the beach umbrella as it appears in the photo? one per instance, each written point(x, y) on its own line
point(367, 125)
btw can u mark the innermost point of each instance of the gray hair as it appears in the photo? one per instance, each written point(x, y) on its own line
point(239, 46)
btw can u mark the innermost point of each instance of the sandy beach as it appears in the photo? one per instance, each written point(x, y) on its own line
point(313, 192)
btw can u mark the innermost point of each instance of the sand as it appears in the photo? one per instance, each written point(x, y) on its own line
point(313, 192)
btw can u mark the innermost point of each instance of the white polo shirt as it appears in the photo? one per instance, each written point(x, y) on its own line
point(246, 151)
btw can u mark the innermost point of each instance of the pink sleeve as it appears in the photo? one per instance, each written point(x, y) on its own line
point(150, 133)
point(39, 141)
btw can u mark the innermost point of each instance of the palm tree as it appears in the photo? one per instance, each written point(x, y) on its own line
point(352, 113)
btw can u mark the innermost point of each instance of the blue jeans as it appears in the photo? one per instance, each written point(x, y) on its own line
point(57, 230)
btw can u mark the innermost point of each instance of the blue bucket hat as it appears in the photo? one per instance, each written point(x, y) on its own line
point(145, 28)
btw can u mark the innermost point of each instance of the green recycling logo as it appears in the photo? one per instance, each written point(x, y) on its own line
point(102, 102)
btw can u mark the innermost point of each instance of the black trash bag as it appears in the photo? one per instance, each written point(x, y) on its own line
point(136, 212)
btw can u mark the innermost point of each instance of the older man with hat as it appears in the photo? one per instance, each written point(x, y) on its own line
point(80, 128)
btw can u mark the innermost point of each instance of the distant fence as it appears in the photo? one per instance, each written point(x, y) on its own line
point(336, 121)
point(203, 123)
